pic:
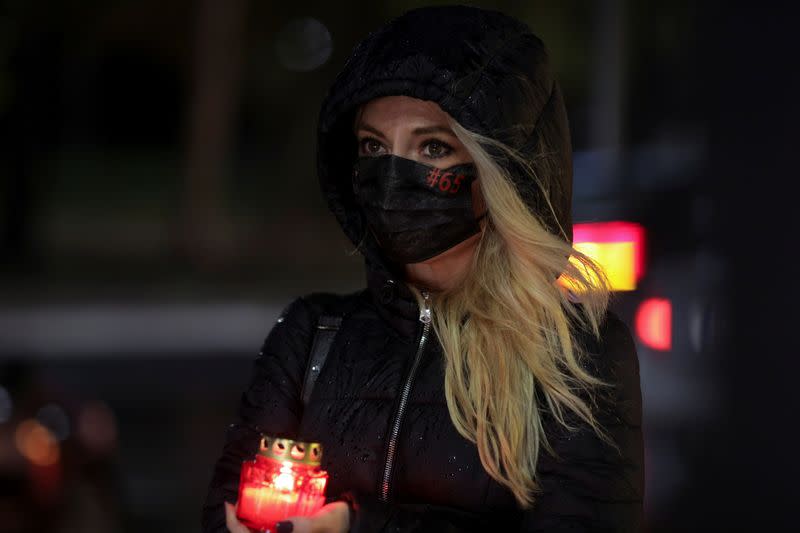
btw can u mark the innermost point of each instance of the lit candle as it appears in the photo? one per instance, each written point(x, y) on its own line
point(283, 480)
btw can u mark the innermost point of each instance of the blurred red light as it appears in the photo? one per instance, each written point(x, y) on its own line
point(654, 323)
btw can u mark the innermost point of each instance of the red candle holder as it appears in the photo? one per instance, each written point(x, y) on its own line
point(284, 479)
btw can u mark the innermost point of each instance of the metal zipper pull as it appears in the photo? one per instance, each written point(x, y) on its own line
point(425, 310)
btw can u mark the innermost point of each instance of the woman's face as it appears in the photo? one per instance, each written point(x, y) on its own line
point(415, 129)
point(418, 129)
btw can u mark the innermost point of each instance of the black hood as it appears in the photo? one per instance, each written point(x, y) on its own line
point(486, 69)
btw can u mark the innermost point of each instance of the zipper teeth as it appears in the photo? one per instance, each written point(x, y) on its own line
point(403, 400)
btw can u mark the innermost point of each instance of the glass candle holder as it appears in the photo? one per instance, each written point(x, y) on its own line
point(283, 479)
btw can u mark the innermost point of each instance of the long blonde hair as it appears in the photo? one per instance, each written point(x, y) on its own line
point(508, 330)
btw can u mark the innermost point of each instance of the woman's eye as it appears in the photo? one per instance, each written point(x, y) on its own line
point(370, 146)
point(435, 149)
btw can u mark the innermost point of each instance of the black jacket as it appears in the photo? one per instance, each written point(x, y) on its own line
point(459, 57)
point(438, 481)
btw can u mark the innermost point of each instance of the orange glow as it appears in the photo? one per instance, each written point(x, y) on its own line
point(36, 443)
point(618, 247)
point(654, 323)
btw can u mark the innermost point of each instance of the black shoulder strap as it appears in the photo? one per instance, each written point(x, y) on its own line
point(333, 309)
point(327, 326)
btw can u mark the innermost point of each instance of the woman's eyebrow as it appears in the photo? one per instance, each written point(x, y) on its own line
point(424, 130)
point(366, 127)
point(433, 129)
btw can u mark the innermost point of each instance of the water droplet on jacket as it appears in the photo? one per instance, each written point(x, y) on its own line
point(451, 459)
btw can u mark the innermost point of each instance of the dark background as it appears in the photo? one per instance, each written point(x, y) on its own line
point(159, 206)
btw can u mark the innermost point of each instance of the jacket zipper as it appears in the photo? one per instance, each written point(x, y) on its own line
point(425, 318)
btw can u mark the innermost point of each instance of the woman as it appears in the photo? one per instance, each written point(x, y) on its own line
point(478, 382)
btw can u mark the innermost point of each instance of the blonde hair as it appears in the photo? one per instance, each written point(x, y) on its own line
point(508, 330)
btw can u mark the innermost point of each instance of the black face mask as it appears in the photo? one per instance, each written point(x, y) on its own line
point(416, 211)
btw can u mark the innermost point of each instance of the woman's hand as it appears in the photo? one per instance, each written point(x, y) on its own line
point(331, 518)
point(234, 526)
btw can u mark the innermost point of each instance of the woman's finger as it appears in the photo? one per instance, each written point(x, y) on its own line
point(299, 524)
point(331, 518)
point(234, 526)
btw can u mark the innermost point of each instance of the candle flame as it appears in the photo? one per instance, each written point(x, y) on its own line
point(285, 480)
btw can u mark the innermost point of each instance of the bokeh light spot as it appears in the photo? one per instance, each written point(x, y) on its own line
point(303, 44)
point(97, 427)
point(36, 443)
point(6, 406)
point(54, 418)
